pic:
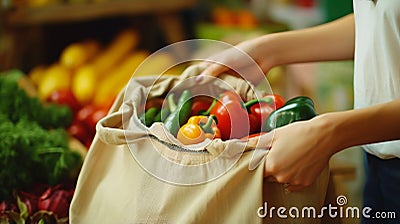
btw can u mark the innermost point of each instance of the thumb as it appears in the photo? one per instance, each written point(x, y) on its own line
point(193, 70)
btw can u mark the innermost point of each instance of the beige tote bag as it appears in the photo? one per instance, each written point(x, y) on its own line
point(135, 174)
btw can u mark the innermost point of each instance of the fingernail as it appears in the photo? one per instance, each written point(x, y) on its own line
point(199, 78)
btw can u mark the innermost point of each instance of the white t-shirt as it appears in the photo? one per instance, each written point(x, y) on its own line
point(377, 61)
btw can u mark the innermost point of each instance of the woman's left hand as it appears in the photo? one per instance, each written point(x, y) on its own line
point(299, 152)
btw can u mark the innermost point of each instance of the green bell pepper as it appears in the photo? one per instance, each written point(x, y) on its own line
point(162, 115)
point(296, 109)
point(179, 113)
point(147, 118)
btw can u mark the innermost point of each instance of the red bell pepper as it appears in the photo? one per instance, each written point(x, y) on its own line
point(259, 109)
point(231, 115)
point(277, 100)
point(200, 105)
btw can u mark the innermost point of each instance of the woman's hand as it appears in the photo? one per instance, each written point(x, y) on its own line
point(246, 60)
point(299, 152)
point(253, 58)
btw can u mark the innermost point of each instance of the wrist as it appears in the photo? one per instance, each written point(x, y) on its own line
point(334, 136)
point(266, 51)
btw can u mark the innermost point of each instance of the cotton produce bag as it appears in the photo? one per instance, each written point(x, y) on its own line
point(135, 174)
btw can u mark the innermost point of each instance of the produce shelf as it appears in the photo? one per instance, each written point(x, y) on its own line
point(70, 12)
point(21, 21)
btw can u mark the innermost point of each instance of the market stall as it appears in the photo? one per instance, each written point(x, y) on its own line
point(109, 113)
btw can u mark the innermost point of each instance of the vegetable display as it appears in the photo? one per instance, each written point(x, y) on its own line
point(48, 118)
point(32, 154)
point(16, 104)
point(34, 147)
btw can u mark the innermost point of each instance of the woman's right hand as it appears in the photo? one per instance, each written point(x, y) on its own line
point(247, 60)
point(252, 59)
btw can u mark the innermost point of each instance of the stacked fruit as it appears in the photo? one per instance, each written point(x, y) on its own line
point(87, 77)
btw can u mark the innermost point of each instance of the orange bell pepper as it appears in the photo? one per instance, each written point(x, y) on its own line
point(197, 129)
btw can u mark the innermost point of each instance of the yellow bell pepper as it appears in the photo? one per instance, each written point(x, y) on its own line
point(197, 129)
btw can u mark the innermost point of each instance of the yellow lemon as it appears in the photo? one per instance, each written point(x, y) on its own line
point(78, 54)
point(84, 84)
point(36, 74)
point(54, 78)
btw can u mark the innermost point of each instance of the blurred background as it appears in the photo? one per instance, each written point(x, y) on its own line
point(46, 39)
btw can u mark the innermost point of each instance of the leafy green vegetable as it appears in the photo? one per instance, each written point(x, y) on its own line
point(16, 104)
point(29, 154)
point(33, 141)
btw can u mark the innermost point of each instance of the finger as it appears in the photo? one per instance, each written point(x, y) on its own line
point(212, 71)
point(193, 70)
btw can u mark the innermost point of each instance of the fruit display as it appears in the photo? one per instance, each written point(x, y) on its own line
point(193, 119)
point(88, 76)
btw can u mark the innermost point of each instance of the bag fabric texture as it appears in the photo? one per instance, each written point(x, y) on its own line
point(135, 174)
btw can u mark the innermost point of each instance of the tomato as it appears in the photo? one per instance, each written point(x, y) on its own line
point(79, 130)
point(90, 115)
point(84, 114)
point(97, 115)
point(88, 143)
point(278, 100)
point(65, 97)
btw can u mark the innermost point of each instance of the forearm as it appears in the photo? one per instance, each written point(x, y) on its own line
point(327, 42)
point(363, 126)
